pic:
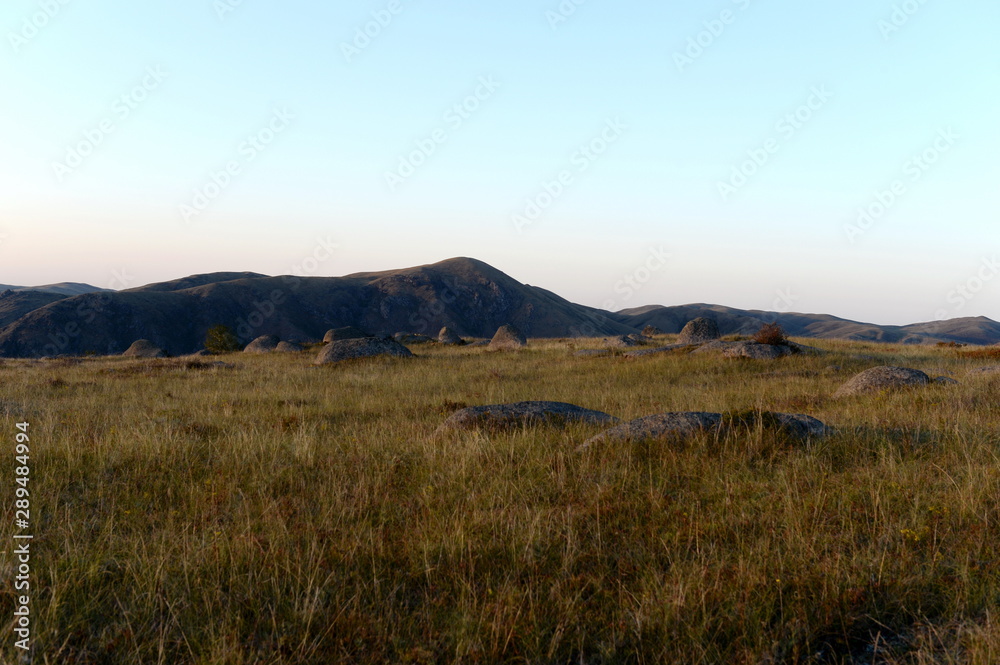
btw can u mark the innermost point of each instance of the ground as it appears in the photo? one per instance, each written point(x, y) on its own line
point(270, 511)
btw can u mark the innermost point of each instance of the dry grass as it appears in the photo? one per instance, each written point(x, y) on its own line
point(273, 512)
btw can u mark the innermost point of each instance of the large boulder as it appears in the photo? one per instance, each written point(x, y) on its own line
point(877, 379)
point(347, 332)
point(143, 348)
point(508, 338)
point(499, 417)
point(288, 347)
point(367, 347)
point(677, 427)
point(699, 331)
point(757, 351)
point(449, 337)
point(263, 344)
point(662, 426)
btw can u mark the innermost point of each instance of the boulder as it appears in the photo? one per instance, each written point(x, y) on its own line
point(619, 342)
point(347, 332)
point(143, 348)
point(698, 331)
point(499, 417)
point(508, 338)
point(367, 347)
point(882, 378)
point(662, 426)
point(638, 339)
point(263, 344)
point(677, 427)
point(649, 331)
point(756, 351)
point(449, 337)
point(288, 347)
point(946, 381)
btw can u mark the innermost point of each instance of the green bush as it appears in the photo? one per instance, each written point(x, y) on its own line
point(222, 339)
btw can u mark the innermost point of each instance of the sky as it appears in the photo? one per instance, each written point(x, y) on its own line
point(815, 157)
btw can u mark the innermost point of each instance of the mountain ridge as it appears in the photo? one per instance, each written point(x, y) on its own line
point(465, 294)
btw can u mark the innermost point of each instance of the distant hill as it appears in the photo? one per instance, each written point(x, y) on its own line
point(978, 330)
point(62, 288)
point(469, 296)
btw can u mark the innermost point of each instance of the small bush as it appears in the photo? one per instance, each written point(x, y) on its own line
point(771, 333)
point(222, 339)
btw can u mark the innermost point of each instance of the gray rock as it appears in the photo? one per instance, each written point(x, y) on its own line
point(988, 369)
point(619, 342)
point(449, 336)
point(508, 338)
point(698, 331)
point(263, 344)
point(882, 378)
point(288, 347)
point(715, 346)
point(349, 349)
point(677, 427)
point(347, 332)
point(946, 381)
point(143, 348)
point(662, 426)
point(756, 351)
point(650, 331)
point(499, 417)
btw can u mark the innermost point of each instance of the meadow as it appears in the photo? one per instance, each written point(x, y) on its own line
point(268, 511)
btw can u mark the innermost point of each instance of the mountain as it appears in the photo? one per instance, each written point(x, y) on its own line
point(62, 288)
point(978, 330)
point(469, 296)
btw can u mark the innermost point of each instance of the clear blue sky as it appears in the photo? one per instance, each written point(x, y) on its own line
point(671, 122)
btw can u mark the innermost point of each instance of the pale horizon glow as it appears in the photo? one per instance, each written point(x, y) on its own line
point(260, 106)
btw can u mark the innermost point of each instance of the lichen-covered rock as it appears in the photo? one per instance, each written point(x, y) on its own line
point(508, 338)
point(499, 417)
point(877, 379)
point(368, 347)
point(698, 331)
point(143, 348)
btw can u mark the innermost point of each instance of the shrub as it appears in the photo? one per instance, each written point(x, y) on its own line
point(222, 339)
point(771, 333)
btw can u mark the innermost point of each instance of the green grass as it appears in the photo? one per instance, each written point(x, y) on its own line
point(274, 512)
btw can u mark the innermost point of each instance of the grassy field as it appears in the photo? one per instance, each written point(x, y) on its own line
point(269, 511)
